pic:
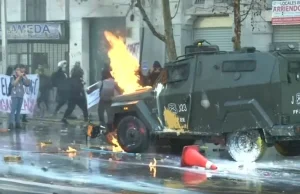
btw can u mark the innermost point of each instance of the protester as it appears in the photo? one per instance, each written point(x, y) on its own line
point(17, 91)
point(77, 94)
point(59, 80)
point(108, 89)
point(45, 87)
point(154, 73)
point(9, 70)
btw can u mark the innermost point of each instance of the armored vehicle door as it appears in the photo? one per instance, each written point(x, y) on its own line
point(175, 97)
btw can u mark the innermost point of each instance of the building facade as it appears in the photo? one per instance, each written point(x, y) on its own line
point(74, 29)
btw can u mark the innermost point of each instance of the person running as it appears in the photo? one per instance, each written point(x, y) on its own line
point(59, 80)
point(77, 95)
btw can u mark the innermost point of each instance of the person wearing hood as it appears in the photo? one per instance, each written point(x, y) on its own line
point(59, 80)
point(154, 73)
point(77, 94)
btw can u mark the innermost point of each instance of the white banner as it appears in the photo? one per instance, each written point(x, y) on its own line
point(286, 12)
point(92, 95)
point(30, 97)
point(134, 48)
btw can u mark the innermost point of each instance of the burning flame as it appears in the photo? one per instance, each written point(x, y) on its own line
point(114, 141)
point(123, 64)
point(42, 144)
point(71, 152)
point(152, 167)
point(116, 147)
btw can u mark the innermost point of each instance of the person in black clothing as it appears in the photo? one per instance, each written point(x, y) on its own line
point(45, 87)
point(59, 80)
point(77, 94)
point(154, 73)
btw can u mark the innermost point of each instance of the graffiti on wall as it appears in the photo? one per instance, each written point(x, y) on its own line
point(134, 48)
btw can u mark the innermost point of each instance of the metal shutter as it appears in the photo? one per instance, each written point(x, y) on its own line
point(286, 33)
point(217, 36)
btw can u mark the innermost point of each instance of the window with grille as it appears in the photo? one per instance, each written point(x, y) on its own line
point(199, 1)
point(35, 10)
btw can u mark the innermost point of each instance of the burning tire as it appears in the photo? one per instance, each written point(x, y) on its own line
point(288, 148)
point(246, 146)
point(132, 135)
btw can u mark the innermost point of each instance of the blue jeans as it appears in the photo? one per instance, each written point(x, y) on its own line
point(16, 105)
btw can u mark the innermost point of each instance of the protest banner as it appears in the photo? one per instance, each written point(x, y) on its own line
point(30, 97)
point(92, 95)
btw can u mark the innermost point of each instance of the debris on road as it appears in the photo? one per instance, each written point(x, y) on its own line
point(12, 158)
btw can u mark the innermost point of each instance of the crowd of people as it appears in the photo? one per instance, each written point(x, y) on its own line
point(70, 91)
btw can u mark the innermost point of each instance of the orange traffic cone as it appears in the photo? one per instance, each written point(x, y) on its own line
point(192, 157)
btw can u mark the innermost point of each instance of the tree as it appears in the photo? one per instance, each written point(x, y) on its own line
point(237, 24)
point(167, 37)
point(254, 6)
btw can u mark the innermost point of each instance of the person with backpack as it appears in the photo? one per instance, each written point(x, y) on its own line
point(16, 91)
point(108, 89)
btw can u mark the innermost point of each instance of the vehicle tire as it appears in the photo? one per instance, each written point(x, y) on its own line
point(288, 148)
point(177, 145)
point(132, 134)
point(245, 146)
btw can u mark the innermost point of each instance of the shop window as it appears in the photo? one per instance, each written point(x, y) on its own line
point(238, 66)
point(178, 73)
point(35, 10)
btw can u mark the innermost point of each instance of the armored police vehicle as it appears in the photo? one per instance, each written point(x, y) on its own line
point(246, 100)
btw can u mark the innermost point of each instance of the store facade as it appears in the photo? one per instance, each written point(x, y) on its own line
point(34, 43)
point(216, 30)
point(286, 22)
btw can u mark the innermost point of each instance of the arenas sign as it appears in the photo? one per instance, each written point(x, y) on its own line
point(286, 12)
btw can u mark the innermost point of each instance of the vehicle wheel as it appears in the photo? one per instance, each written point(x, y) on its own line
point(132, 135)
point(178, 144)
point(288, 148)
point(245, 146)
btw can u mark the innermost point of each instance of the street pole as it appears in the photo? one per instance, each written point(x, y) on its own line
point(3, 35)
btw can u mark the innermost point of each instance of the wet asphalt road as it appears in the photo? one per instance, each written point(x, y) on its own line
point(49, 169)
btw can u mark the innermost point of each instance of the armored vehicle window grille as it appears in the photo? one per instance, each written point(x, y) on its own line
point(238, 66)
point(294, 67)
point(178, 73)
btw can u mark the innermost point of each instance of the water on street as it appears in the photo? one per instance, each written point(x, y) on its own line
point(48, 166)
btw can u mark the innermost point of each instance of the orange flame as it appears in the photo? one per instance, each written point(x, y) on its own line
point(116, 147)
point(114, 141)
point(71, 152)
point(152, 167)
point(123, 64)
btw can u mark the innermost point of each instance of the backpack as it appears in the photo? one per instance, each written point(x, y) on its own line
point(10, 86)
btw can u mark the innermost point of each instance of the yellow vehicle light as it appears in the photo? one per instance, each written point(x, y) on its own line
point(125, 108)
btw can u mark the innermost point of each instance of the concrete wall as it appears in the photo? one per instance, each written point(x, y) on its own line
point(79, 31)
point(15, 10)
point(57, 9)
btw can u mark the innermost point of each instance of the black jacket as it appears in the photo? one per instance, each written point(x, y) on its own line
point(76, 87)
point(59, 80)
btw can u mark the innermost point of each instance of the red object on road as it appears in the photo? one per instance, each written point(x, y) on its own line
point(192, 157)
point(193, 179)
